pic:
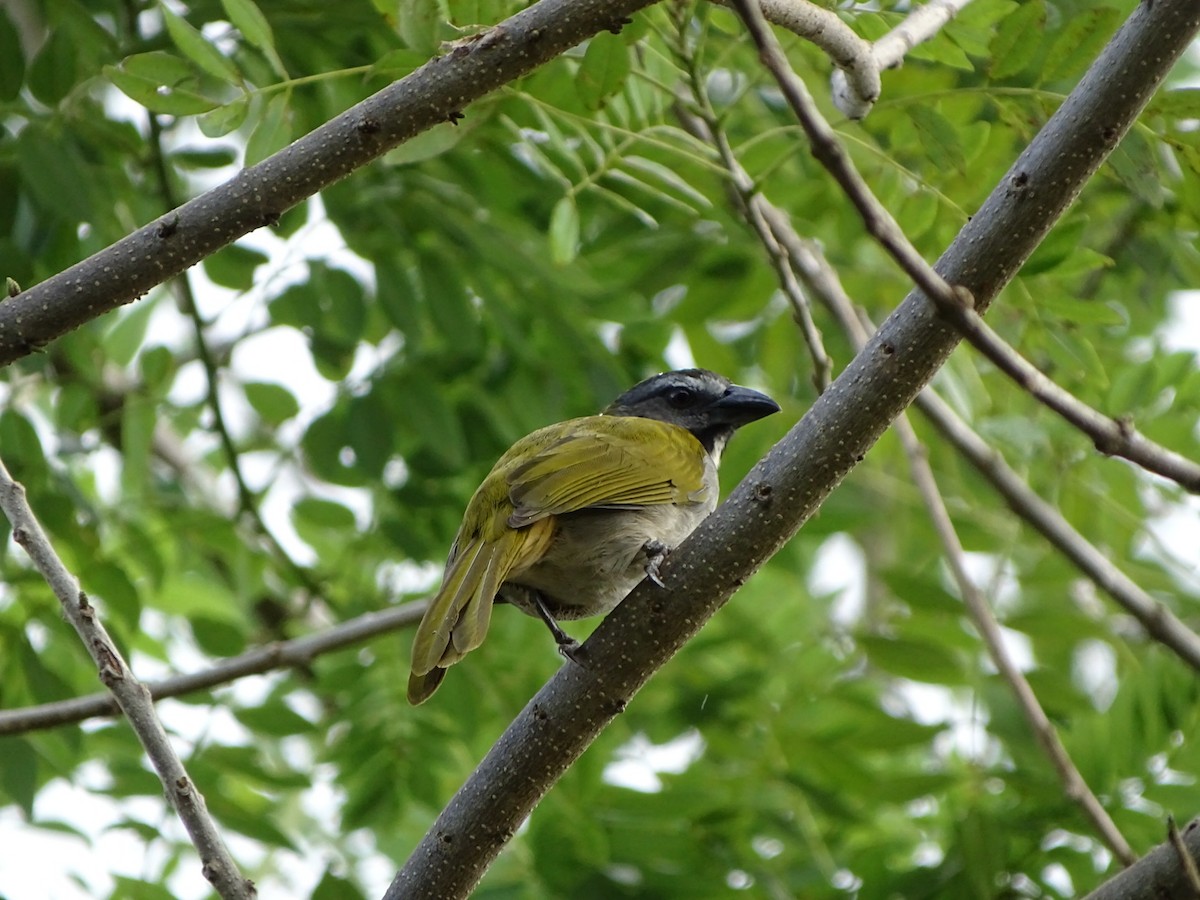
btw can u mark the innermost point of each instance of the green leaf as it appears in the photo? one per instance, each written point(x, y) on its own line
point(324, 514)
point(203, 157)
point(218, 637)
point(1084, 36)
point(418, 23)
point(234, 266)
point(156, 80)
point(156, 364)
point(371, 432)
point(12, 60)
point(116, 594)
point(330, 887)
point(128, 332)
point(197, 48)
point(225, 118)
point(22, 449)
point(249, 20)
point(272, 132)
point(564, 231)
point(603, 71)
point(18, 775)
point(432, 142)
point(397, 63)
point(273, 402)
point(275, 719)
point(1017, 39)
point(54, 71)
point(916, 660)
point(1182, 103)
point(138, 419)
point(52, 170)
point(939, 138)
point(1072, 309)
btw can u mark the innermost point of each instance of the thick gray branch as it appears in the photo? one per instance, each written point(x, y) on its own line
point(1159, 875)
point(435, 93)
point(790, 483)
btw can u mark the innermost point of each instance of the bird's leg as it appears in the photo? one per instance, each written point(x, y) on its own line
point(656, 552)
point(567, 645)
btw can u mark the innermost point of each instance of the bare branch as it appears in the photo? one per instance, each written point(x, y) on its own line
point(130, 694)
point(889, 51)
point(955, 302)
point(257, 196)
point(293, 653)
point(775, 232)
point(1185, 858)
point(856, 83)
point(921, 24)
point(1159, 875)
point(705, 125)
point(788, 485)
point(1156, 618)
point(1076, 788)
point(1112, 437)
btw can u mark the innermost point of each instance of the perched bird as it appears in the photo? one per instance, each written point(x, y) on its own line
point(573, 516)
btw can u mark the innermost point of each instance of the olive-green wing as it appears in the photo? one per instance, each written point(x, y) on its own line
point(458, 616)
point(607, 461)
point(593, 462)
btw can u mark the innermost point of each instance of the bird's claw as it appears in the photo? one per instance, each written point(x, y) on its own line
point(573, 650)
point(656, 552)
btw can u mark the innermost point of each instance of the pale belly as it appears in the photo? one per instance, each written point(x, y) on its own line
point(597, 557)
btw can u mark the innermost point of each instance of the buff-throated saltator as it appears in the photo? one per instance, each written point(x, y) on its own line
point(573, 516)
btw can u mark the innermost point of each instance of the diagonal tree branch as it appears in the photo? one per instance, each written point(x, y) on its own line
point(1112, 436)
point(704, 123)
point(981, 614)
point(186, 298)
point(856, 80)
point(811, 267)
point(292, 653)
point(759, 214)
point(130, 694)
point(1162, 874)
point(437, 92)
point(788, 485)
point(1156, 618)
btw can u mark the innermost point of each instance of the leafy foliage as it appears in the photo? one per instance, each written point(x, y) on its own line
point(379, 350)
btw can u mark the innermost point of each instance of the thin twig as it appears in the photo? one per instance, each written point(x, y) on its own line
point(1156, 618)
point(1185, 858)
point(775, 226)
point(293, 653)
point(788, 485)
point(856, 83)
point(1113, 437)
point(186, 298)
point(1076, 788)
point(705, 124)
point(919, 26)
point(822, 281)
point(130, 694)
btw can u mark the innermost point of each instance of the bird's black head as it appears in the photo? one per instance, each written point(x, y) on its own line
point(703, 402)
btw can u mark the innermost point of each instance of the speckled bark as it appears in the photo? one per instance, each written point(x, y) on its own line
point(437, 92)
point(791, 482)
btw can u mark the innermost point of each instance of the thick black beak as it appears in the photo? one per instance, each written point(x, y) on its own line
point(740, 406)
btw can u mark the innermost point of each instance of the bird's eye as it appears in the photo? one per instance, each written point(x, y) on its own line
point(680, 397)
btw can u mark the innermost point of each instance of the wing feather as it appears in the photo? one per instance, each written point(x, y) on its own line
point(605, 461)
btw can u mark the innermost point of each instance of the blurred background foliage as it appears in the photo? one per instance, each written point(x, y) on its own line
point(837, 730)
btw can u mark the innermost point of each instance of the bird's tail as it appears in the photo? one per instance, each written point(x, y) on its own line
point(458, 617)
